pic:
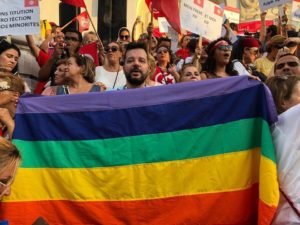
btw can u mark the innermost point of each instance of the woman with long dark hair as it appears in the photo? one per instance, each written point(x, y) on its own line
point(218, 63)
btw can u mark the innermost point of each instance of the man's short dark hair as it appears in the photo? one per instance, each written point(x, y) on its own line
point(135, 45)
point(161, 39)
point(75, 31)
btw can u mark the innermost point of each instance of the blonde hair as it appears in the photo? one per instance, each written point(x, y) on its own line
point(282, 88)
point(13, 83)
point(9, 155)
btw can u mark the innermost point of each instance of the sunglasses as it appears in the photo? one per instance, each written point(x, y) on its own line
point(71, 39)
point(225, 47)
point(290, 64)
point(124, 37)
point(112, 49)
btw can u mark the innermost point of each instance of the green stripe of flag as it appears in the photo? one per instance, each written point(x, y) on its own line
point(185, 144)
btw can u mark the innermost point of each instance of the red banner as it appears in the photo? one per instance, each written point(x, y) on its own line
point(253, 26)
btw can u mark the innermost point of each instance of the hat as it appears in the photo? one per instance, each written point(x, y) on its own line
point(250, 42)
point(277, 40)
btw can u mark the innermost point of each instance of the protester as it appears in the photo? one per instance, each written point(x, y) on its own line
point(80, 72)
point(89, 37)
point(10, 159)
point(165, 72)
point(218, 63)
point(136, 65)
point(11, 87)
point(56, 37)
point(285, 91)
point(9, 56)
point(183, 52)
point(73, 39)
point(111, 73)
point(189, 73)
point(245, 53)
point(265, 64)
point(123, 35)
point(60, 78)
point(287, 64)
point(198, 54)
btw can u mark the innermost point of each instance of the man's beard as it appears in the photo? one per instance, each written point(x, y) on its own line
point(133, 80)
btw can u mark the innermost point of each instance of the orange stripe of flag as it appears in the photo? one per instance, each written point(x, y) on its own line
point(237, 207)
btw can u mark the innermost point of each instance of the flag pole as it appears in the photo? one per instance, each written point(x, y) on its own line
point(94, 28)
point(67, 24)
point(150, 31)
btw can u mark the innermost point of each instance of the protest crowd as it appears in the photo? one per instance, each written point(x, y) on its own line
point(270, 56)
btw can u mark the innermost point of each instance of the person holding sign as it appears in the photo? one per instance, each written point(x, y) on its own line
point(218, 63)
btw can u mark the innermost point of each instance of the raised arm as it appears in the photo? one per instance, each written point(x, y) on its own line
point(34, 49)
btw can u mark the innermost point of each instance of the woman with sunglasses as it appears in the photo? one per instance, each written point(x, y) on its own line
point(218, 63)
point(10, 159)
point(111, 73)
point(80, 73)
point(123, 35)
point(165, 72)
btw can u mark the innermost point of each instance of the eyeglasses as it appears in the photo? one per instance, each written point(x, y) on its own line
point(290, 64)
point(112, 49)
point(124, 37)
point(71, 39)
point(225, 47)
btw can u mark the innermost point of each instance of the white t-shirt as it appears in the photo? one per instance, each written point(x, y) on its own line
point(239, 67)
point(110, 78)
point(287, 143)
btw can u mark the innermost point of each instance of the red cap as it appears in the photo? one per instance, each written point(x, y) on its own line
point(250, 42)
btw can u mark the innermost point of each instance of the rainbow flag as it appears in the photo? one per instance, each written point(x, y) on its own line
point(191, 153)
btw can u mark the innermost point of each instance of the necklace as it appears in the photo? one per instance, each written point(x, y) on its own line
point(116, 77)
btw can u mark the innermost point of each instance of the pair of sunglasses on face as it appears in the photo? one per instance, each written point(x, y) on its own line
point(225, 47)
point(112, 49)
point(290, 64)
point(124, 37)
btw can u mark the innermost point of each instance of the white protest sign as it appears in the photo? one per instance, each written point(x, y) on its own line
point(163, 24)
point(296, 11)
point(173, 35)
point(19, 17)
point(232, 14)
point(201, 17)
point(268, 4)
